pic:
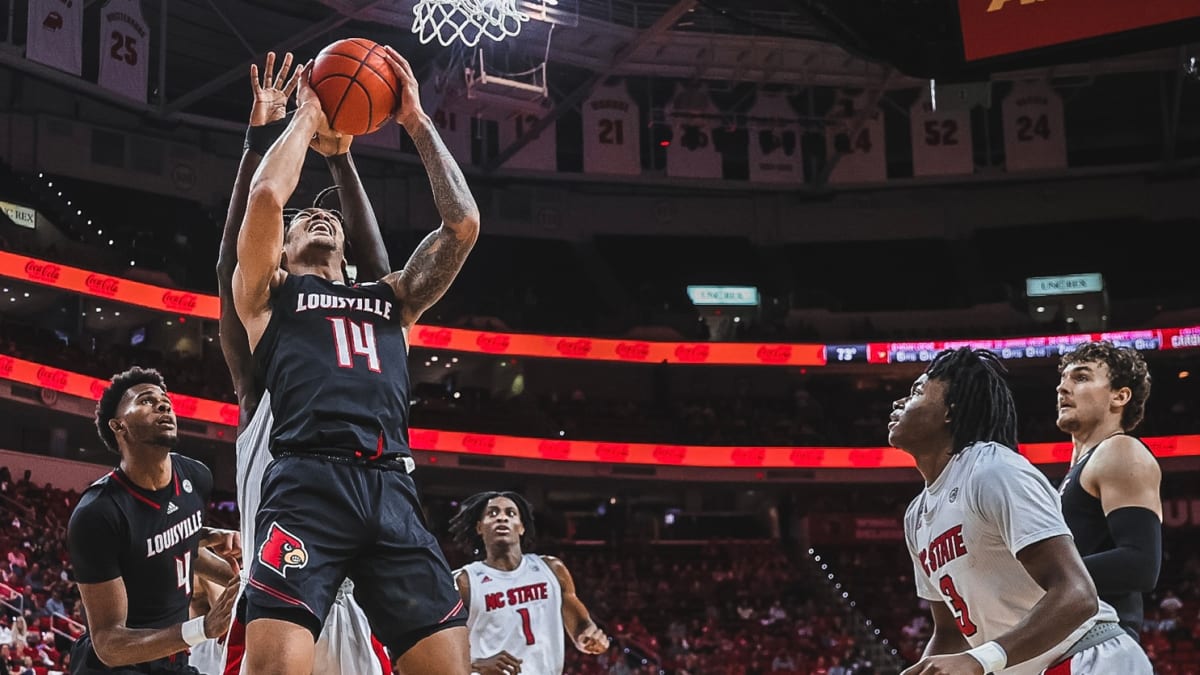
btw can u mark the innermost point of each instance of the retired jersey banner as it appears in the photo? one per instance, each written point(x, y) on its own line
point(539, 154)
point(941, 139)
point(1034, 135)
point(55, 35)
point(855, 134)
point(124, 49)
point(438, 98)
point(692, 153)
point(611, 132)
point(996, 27)
point(774, 140)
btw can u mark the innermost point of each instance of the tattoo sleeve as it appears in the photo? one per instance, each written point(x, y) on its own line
point(453, 198)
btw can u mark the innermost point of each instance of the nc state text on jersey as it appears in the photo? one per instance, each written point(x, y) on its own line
point(945, 547)
point(307, 301)
point(516, 596)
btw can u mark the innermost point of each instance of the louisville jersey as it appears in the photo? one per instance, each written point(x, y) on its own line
point(335, 360)
point(1085, 516)
point(148, 538)
point(964, 532)
point(519, 612)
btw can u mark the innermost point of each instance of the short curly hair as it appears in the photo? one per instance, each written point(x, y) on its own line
point(106, 410)
point(1126, 368)
point(462, 525)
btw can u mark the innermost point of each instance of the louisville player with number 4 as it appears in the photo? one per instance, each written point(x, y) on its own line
point(136, 536)
point(520, 603)
point(337, 499)
point(990, 549)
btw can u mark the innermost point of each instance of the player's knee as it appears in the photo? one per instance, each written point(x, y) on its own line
point(276, 647)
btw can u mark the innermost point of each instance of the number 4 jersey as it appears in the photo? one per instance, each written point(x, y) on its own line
point(964, 532)
point(335, 361)
point(518, 611)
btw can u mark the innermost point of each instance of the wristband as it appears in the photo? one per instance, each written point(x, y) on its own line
point(991, 656)
point(193, 631)
point(261, 138)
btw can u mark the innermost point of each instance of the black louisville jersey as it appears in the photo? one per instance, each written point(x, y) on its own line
point(146, 537)
point(335, 361)
point(1089, 527)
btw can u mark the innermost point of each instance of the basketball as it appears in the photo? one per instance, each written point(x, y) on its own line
point(357, 88)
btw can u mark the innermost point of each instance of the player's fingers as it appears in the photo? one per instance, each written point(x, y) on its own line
point(269, 69)
point(254, 86)
point(510, 662)
point(281, 76)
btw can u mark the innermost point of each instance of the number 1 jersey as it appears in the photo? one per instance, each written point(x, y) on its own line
point(964, 532)
point(335, 361)
point(518, 611)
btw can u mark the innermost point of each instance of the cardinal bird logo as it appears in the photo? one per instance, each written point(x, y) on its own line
point(282, 550)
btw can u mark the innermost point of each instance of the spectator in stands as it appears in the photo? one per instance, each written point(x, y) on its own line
point(26, 667)
point(20, 634)
point(55, 606)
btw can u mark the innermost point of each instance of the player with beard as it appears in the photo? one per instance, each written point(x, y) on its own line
point(137, 534)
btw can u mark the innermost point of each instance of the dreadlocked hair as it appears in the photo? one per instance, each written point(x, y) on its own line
point(979, 399)
point(1126, 368)
point(462, 525)
point(106, 410)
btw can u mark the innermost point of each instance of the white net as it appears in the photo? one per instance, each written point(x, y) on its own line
point(466, 21)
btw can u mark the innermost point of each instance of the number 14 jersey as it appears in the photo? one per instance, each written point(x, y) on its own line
point(335, 360)
point(964, 532)
point(519, 612)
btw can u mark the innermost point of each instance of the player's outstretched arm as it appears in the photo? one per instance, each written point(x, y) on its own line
point(439, 257)
point(1128, 479)
point(260, 240)
point(271, 93)
point(361, 226)
point(577, 621)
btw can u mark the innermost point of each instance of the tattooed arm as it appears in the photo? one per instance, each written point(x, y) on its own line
point(436, 261)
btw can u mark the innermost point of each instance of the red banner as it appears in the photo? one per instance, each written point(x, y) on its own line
point(609, 452)
point(996, 27)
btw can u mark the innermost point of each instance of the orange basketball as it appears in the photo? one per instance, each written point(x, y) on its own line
point(357, 88)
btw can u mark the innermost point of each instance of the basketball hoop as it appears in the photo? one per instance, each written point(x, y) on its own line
point(466, 21)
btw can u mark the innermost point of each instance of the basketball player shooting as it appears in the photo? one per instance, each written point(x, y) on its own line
point(1110, 497)
point(520, 604)
point(340, 650)
point(990, 550)
point(337, 498)
point(136, 536)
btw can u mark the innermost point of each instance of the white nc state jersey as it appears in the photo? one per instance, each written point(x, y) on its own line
point(519, 612)
point(253, 456)
point(964, 532)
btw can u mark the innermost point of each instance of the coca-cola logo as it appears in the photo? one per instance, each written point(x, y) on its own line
point(97, 388)
point(479, 444)
point(435, 337)
point(492, 343)
point(98, 283)
point(229, 414)
point(7, 363)
point(669, 454)
point(180, 302)
point(633, 351)
point(554, 449)
point(423, 440)
point(775, 353)
point(612, 452)
point(692, 353)
point(748, 456)
point(810, 457)
point(44, 272)
point(185, 406)
point(51, 377)
point(576, 348)
point(866, 457)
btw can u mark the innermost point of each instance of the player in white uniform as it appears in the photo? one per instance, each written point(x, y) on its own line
point(521, 604)
point(990, 549)
point(346, 645)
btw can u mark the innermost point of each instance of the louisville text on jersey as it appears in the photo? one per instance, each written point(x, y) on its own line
point(378, 306)
point(171, 536)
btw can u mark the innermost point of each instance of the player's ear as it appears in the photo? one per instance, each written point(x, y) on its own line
point(116, 425)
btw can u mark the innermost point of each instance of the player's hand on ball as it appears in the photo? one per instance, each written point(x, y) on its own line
point(410, 111)
point(952, 664)
point(272, 91)
point(220, 613)
point(500, 664)
point(592, 641)
point(328, 142)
